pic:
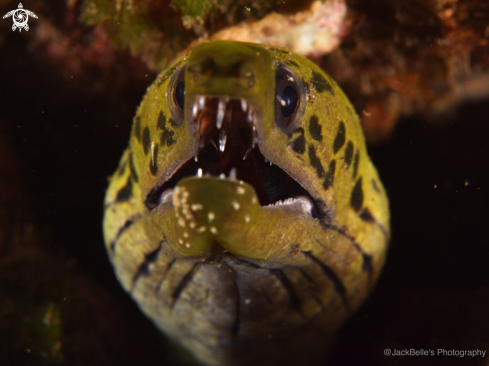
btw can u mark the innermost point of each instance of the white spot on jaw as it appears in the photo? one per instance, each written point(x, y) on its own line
point(181, 222)
point(240, 190)
point(210, 216)
point(196, 207)
point(235, 205)
point(213, 230)
point(247, 217)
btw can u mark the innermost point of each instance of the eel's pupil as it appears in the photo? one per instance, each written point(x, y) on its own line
point(180, 94)
point(290, 97)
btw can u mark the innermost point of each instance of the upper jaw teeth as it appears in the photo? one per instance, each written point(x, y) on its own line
point(222, 115)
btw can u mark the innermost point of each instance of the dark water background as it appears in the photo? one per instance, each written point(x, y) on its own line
point(434, 290)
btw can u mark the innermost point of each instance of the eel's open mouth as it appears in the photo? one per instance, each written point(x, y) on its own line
point(226, 129)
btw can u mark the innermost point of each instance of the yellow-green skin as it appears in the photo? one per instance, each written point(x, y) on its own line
point(300, 277)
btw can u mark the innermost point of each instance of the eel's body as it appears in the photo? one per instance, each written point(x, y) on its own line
point(260, 266)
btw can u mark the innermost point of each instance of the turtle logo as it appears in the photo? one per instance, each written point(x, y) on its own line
point(20, 17)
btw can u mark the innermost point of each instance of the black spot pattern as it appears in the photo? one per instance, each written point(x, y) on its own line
point(153, 165)
point(160, 125)
point(348, 154)
point(320, 83)
point(143, 269)
point(340, 138)
point(329, 180)
point(167, 138)
point(134, 174)
point(366, 215)
point(315, 162)
point(315, 128)
point(125, 192)
point(137, 128)
point(167, 135)
point(146, 140)
point(355, 164)
point(299, 144)
point(356, 199)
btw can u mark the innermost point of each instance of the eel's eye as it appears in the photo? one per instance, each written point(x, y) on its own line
point(179, 94)
point(176, 95)
point(290, 99)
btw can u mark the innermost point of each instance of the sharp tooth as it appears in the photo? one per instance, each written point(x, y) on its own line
point(220, 113)
point(281, 101)
point(214, 144)
point(233, 173)
point(222, 176)
point(201, 102)
point(244, 105)
point(196, 157)
point(152, 153)
point(199, 172)
point(250, 116)
point(222, 141)
point(195, 110)
point(246, 153)
point(290, 78)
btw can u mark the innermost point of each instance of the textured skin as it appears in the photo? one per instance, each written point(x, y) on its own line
point(248, 284)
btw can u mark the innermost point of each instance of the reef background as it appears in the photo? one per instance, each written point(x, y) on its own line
point(68, 94)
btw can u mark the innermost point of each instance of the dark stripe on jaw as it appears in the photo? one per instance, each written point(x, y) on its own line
point(340, 138)
point(299, 144)
point(366, 215)
point(183, 284)
point(320, 83)
point(315, 128)
point(168, 267)
point(123, 228)
point(125, 192)
point(126, 225)
point(237, 316)
point(315, 162)
point(294, 298)
point(333, 277)
point(143, 269)
point(329, 180)
point(365, 256)
point(314, 287)
point(356, 198)
point(348, 154)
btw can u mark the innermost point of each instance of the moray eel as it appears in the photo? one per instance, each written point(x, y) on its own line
point(246, 218)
